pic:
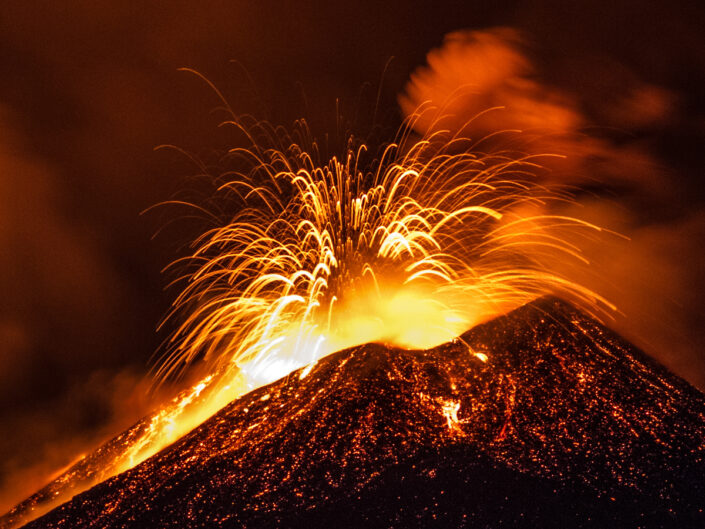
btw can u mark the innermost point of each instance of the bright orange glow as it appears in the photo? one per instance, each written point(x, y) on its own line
point(426, 242)
point(412, 250)
point(429, 241)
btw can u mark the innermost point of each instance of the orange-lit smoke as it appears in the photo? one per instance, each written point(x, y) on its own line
point(52, 275)
point(653, 278)
point(483, 85)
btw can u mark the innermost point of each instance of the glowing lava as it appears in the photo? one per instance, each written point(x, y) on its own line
point(565, 425)
point(410, 249)
point(429, 240)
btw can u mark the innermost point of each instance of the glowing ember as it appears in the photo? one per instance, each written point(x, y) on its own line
point(411, 250)
point(423, 244)
point(450, 412)
point(429, 241)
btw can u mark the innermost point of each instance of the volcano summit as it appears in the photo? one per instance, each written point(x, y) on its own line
point(540, 418)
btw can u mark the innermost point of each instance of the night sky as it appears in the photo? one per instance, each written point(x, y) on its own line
point(90, 88)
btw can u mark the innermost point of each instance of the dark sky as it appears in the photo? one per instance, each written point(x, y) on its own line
point(89, 89)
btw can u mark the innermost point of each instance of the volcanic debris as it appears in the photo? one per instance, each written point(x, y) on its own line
point(539, 418)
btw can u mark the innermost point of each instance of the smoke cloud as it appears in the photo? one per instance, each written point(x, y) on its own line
point(607, 158)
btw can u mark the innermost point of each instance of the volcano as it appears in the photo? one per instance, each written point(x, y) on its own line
point(540, 418)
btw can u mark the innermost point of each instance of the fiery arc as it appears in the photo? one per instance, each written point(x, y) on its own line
point(430, 240)
point(412, 249)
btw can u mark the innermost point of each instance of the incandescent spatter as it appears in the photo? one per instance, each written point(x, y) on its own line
point(539, 418)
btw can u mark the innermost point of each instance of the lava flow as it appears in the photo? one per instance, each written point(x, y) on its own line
point(410, 249)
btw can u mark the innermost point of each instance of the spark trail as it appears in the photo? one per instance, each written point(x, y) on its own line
point(429, 240)
point(411, 248)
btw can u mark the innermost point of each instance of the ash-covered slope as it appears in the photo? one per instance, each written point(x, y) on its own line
point(564, 425)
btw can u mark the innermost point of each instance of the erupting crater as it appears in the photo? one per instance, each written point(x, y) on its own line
point(539, 418)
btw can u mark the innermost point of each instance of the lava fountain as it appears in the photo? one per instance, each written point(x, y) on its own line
point(411, 247)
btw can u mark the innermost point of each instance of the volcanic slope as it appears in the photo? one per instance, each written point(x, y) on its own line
point(540, 418)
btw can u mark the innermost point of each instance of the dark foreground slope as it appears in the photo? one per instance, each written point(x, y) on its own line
point(564, 425)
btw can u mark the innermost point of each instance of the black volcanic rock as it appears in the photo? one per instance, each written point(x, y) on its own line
point(565, 425)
